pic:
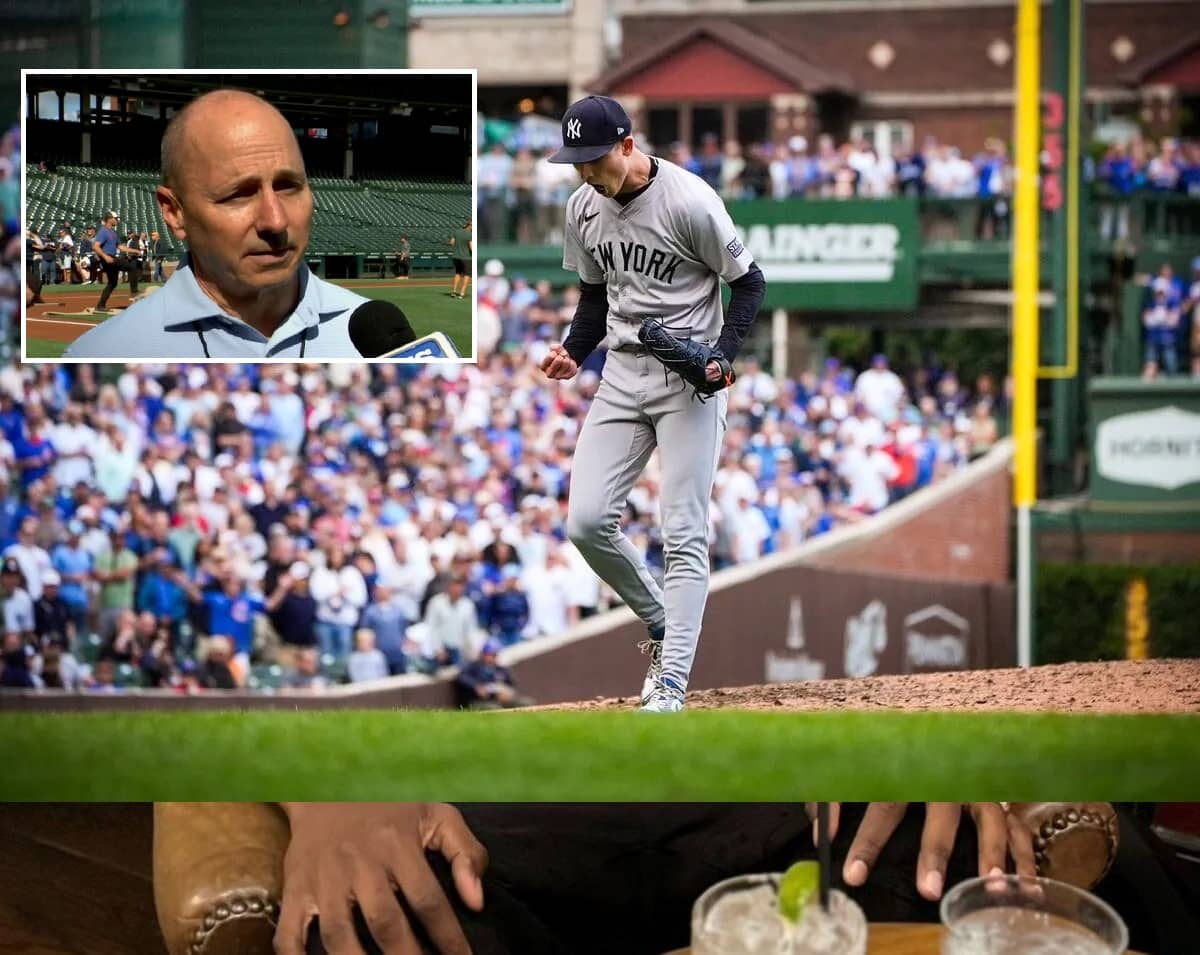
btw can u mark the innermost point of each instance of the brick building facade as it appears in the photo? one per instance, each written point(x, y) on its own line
point(893, 70)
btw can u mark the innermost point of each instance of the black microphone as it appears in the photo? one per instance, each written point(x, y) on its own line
point(379, 327)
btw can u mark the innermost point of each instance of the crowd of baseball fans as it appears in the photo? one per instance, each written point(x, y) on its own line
point(10, 229)
point(222, 526)
point(521, 195)
point(207, 526)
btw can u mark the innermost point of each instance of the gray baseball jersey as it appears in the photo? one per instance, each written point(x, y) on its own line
point(662, 255)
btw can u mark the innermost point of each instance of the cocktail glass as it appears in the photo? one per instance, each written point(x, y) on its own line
point(1018, 915)
point(740, 916)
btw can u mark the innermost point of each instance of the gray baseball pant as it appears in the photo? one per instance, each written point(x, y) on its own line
point(637, 409)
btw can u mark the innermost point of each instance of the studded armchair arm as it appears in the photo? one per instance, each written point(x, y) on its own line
point(1074, 842)
point(218, 875)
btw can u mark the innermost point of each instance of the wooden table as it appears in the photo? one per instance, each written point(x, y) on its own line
point(897, 939)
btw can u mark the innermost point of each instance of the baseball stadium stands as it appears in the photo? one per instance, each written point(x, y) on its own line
point(364, 217)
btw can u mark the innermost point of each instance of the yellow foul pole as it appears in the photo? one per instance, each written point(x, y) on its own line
point(1025, 308)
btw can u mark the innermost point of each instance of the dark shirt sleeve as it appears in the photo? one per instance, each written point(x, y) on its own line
point(589, 326)
point(744, 303)
point(470, 676)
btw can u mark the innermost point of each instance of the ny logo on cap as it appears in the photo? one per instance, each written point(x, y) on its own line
point(574, 130)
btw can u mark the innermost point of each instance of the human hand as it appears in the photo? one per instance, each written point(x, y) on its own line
point(712, 371)
point(359, 854)
point(558, 364)
point(1001, 835)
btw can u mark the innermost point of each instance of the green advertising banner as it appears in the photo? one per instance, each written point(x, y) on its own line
point(1145, 440)
point(829, 254)
point(485, 8)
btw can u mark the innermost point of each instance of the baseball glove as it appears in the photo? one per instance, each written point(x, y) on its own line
point(688, 359)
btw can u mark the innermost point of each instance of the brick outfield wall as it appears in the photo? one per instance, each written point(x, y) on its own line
point(965, 537)
point(928, 572)
point(1113, 547)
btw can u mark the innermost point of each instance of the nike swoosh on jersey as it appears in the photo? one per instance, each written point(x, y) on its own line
point(583, 220)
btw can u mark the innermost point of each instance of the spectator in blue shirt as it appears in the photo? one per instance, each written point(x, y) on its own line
point(229, 611)
point(710, 160)
point(367, 662)
point(10, 512)
point(1189, 170)
point(1170, 283)
point(160, 591)
point(508, 608)
point(910, 172)
point(389, 615)
point(1117, 170)
point(992, 173)
point(74, 566)
point(1160, 319)
point(34, 452)
point(12, 418)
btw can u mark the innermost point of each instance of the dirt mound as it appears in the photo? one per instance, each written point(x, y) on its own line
point(1147, 686)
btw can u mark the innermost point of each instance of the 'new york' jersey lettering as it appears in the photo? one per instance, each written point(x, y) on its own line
point(663, 254)
point(637, 258)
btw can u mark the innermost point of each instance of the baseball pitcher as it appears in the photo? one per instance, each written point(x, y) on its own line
point(651, 243)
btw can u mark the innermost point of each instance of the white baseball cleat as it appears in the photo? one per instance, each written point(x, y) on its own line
point(664, 698)
point(654, 649)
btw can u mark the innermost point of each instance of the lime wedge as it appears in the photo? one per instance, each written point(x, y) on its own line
point(798, 888)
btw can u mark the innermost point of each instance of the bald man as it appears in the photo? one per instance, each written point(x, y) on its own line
point(234, 189)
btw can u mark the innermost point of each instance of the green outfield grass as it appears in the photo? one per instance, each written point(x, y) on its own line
point(428, 308)
point(596, 756)
point(43, 348)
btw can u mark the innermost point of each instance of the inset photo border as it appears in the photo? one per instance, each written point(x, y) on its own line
point(171, 217)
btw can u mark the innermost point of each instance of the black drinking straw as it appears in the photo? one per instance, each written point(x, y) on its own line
point(823, 854)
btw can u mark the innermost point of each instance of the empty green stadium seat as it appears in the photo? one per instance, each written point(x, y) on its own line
point(265, 676)
point(128, 675)
point(349, 217)
point(87, 648)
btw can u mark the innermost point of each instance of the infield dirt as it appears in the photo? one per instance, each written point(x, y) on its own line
point(1147, 686)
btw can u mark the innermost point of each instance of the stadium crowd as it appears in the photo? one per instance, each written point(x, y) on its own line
point(10, 230)
point(190, 526)
point(1170, 167)
point(522, 195)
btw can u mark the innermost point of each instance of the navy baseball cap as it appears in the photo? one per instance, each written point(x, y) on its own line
point(590, 128)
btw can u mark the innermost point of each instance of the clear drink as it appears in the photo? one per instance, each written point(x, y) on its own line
point(740, 916)
point(1007, 915)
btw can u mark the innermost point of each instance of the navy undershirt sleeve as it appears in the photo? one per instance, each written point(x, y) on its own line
point(589, 326)
point(744, 303)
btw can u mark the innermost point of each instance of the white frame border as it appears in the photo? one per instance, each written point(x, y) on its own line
point(474, 159)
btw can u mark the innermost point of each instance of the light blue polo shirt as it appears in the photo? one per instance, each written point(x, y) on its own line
point(178, 321)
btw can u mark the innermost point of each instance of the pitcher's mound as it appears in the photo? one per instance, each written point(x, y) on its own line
point(1145, 686)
